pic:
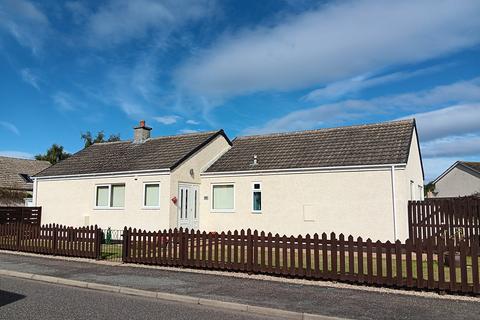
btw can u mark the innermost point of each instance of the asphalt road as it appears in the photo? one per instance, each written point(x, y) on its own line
point(27, 299)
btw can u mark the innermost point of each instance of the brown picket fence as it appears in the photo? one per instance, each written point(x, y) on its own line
point(51, 239)
point(425, 265)
point(445, 218)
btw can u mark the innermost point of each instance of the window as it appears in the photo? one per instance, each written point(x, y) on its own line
point(26, 177)
point(151, 195)
point(110, 196)
point(102, 196)
point(257, 197)
point(223, 197)
point(117, 197)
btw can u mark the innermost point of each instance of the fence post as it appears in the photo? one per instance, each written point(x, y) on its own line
point(19, 234)
point(98, 242)
point(54, 240)
point(249, 251)
point(125, 245)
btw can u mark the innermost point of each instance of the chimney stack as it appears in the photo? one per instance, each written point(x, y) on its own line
point(141, 133)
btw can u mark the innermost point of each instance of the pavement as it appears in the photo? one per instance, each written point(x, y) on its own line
point(28, 299)
point(294, 297)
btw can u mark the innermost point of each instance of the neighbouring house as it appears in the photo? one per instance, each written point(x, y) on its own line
point(461, 179)
point(355, 180)
point(16, 184)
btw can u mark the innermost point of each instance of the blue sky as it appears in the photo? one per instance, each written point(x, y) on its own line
point(246, 66)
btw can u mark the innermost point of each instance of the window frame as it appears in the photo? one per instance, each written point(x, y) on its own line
point(212, 209)
point(144, 206)
point(253, 197)
point(109, 207)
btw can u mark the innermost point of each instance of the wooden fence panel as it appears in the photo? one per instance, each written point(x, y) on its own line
point(431, 265)
point(24, 215)
point(51, 239)
point(445, 218)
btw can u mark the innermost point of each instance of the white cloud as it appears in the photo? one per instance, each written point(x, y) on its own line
point(120, 21)
point(465, 93)
point(16, 154)
point(78, 10)
point(335, 42)
point(452, 147)
point(193, 122)
point(29, 77)
point(184, 131)
point(345, 87)
point(454, 120)
point(167, 119)
point(25, 22)
point(64, 101)
point(10, 127)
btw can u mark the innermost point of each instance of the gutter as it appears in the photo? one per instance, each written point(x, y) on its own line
point(96, 175)
point(304, 170)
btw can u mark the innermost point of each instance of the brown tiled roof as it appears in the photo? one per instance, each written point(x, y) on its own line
point(156, 153)
point(12, 168)
point(472, 165)
point(382, 143)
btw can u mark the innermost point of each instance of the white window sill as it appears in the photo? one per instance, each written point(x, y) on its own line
point(150, 208)
point(256, 212)
point(222, 211)
point(108, 208)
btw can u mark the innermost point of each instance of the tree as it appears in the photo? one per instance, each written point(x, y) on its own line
point(100, 137)
point(429, 187)
point(54, 154)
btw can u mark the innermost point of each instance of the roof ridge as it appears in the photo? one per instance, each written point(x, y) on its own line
point(299, 132)
point(186, 134)
point(163, 137)
point(25, 159)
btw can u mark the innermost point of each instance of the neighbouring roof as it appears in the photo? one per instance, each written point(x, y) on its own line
point(373, 144)
point(474, 166)
point(15, 172)
point(154, 154)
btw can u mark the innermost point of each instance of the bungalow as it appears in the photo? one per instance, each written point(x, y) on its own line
point(16, 184)
point(356, 180)
point(460, 179)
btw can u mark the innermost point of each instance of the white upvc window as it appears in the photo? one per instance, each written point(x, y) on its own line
point(257, 197)
point(110, 196)
point(151, 195)
point(223, 197)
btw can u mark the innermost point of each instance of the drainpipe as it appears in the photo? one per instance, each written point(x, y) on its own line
point(34, 195)
point(394, 203)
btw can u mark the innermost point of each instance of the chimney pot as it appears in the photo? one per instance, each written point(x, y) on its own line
point(141, 133)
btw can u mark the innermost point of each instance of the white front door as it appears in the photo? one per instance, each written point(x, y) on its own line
point(188, 206)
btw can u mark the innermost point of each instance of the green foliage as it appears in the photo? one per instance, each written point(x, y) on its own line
point(429, 187)
point(108, 240)
point(100, 137)
point(54, 154)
